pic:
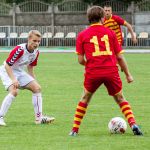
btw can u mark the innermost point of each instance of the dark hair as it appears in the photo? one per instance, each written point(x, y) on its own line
point(108, 6)
point(95, 13)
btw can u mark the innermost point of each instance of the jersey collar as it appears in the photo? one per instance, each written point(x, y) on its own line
point(28, 49)
point(96, 24)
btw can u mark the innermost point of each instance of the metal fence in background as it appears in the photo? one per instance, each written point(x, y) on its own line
point(51, 36)
point(24, 12)
point(41, 7)
point(70, 6)
point(61, 35)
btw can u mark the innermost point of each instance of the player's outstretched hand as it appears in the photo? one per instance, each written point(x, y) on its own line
point(129, 78)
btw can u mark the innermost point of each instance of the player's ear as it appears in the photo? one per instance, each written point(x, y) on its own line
point(102, 20)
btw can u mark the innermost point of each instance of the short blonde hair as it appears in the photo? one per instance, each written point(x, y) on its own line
point(35, 32)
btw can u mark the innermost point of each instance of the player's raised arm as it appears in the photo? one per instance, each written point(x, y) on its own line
point(130, 29)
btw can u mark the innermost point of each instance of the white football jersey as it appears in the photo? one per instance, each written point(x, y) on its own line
point(20, 57)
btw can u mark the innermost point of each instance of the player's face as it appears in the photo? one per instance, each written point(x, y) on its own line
point(108, 12)
point(33, 42)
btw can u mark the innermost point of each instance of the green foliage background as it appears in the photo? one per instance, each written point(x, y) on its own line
point(87, 1)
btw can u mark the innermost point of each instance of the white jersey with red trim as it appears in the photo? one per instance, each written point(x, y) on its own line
point(20, 57)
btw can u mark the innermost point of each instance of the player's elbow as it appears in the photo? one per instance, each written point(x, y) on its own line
point(129, 27)
point(81, 62)
point(81, 59)
point(119, 57)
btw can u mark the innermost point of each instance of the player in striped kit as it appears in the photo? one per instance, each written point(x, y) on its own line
point(98, 50)
point(115, 22)
point(14, 77)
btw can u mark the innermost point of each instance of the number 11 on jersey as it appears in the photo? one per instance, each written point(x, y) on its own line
point(97, 51)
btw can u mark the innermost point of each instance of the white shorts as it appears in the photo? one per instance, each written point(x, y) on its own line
point(22, 77)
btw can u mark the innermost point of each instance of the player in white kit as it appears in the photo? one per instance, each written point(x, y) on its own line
point(14, 77)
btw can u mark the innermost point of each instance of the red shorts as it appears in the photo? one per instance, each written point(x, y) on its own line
point(112, 82)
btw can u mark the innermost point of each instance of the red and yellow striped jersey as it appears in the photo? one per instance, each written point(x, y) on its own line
point(114, 23)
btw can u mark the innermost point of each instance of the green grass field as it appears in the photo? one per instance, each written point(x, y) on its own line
point(61, 79)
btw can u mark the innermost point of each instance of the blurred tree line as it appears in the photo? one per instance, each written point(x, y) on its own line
point(100, 1)
point(57, 1)
point(20, 1)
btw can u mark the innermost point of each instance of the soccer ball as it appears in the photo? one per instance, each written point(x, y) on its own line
point(117, 125)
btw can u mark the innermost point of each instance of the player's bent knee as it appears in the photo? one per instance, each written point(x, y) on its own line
point(14, 92)
point(119, 98)
point(36, 89)
point(86, 97)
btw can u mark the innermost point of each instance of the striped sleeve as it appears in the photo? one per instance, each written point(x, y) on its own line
point(119, 20)
point(14, 55)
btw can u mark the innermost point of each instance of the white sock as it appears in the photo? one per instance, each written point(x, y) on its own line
point(6, 104)
point(37, 103)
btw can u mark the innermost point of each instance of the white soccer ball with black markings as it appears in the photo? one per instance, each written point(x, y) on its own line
point(117, 125)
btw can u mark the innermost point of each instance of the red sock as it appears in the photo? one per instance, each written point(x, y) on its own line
point(79, 114)
point(127, 111)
